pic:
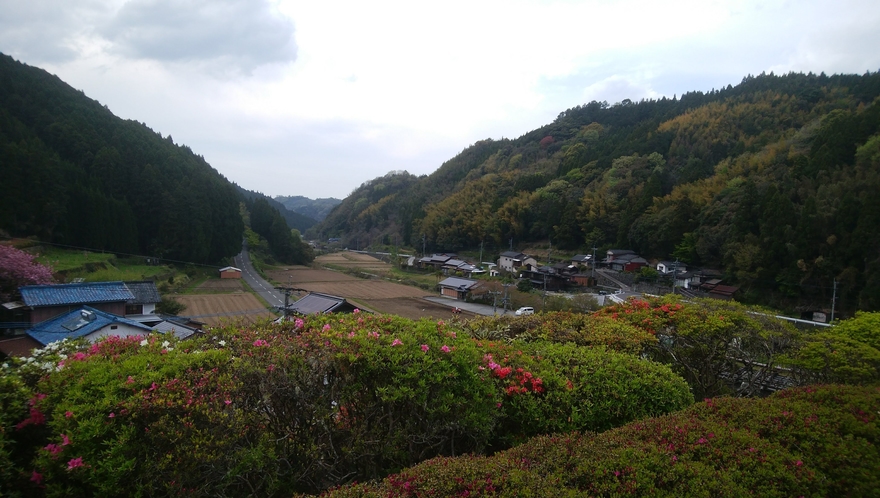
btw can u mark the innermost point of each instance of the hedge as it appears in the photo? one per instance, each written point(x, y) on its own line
point(267, 410)
point(812, 441)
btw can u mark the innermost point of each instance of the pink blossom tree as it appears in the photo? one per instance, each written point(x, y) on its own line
point(18, 268)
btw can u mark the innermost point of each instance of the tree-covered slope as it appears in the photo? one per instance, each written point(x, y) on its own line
point(771, 181)
point(317, 209)
point(74, 173)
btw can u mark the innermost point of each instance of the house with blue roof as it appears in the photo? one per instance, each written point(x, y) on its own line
point(48, 301)
point(90, 323)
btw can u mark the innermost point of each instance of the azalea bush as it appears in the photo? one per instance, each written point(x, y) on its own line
point(269, 409)
point(812, 441)
point(563, 327)
point(718, 347)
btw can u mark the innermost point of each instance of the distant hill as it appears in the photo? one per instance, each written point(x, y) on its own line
point(773, 181)
point(293, 218)
point(317, 209)
point(73, 173)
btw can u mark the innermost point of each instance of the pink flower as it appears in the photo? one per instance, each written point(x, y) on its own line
point(798, 463)
point(65, 440)
point(396, 342)
point(326, 327)
point(53, 449)
point(228, 402)
point(425, 348)
point(260, 343)
point(374, 334)
point(68, 414)
point(112, 415)
point(36, 477)
point(130, 380)
point(445, 348)
point(356, 311)
point(298, 323)
point(74, 463)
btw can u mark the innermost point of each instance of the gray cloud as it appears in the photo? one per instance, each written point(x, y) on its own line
point(41, 31)
point(238, 34)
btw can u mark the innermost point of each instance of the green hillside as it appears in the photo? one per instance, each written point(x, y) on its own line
point(75, 174)
point(772, 181)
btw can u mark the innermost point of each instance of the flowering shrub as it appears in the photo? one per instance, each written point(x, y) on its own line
point(820, 441)
point(301, 406)
point(562, 327)
point(709, 342)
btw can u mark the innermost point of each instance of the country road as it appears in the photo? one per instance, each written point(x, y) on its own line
point(257, 283)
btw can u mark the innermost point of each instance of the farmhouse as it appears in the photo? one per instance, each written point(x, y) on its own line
point(458, 288)
point(514, 261)
point(315, 302)
point(48, 301)
point(87, 322)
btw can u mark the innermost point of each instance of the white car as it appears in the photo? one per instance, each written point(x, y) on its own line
point(525, 310)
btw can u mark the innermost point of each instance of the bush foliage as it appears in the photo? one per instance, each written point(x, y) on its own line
point(813, 441)
point(303, 406)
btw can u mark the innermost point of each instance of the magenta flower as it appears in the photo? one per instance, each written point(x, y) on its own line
point(298, 323)
point(445, 348)
point(260, 343)
point(112, 415)
point(326, 327)
point(228, 402)
point(36, 477)
point(65, 440)
point(356, 311)
point(53, 449)
point(74, 463)
point(374, 334)
point(396, 342)
point(68, 414)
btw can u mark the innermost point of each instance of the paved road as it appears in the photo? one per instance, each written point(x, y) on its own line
point(257, 283)
point(479, 309)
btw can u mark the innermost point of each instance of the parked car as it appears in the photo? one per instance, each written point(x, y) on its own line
point(525, 310)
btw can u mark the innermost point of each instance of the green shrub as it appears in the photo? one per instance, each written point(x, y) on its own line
point(269, 409)
point(802, 442)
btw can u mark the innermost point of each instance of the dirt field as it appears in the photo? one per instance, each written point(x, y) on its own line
point(221, 285)
point(413, 308)
point(374, 294)
point(213, 309)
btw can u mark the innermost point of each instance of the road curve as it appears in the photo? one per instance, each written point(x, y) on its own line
point(257, 283)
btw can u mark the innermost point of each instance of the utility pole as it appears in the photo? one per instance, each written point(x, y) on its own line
point(506, 300)
point(549, 252)
point(423, 245)
point(674, 273)
point(511, 243)
point(287, 291)
point(593, 266)
point(481, 254)
point(833, 301)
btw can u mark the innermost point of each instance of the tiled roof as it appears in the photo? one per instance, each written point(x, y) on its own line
point(82, 293)
point(145, 292)
point(78, 323)
point(178, 330)
point(319, 303)
point(513, 255)
point(458, 283)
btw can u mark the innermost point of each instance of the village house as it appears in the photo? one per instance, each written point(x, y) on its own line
point(514, 261)
point(230, 272)
point(458, 288)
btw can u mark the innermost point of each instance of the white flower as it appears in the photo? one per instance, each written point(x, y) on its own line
point(222, 343)
point(165, 344)
point(62, 356)
point(169, 349)
point(30, 360)
point(6, 365)
point(144, 342)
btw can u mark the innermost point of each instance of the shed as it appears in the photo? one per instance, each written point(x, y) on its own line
point(230, 272)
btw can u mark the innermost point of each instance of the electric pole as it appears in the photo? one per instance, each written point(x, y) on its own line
point(833, 301)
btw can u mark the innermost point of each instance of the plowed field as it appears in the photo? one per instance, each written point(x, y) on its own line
point(214, 309)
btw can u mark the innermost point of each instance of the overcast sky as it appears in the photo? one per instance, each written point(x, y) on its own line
point(315, 97)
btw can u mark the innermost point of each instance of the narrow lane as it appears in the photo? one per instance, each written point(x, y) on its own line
point(257, 283)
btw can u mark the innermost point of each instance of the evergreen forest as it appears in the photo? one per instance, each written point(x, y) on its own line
point(76, 175)
point(772, 181)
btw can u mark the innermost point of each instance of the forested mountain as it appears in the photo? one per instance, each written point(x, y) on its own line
point(74, 173)
point(774, 181)
point(317, 209)
point(293, 218)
